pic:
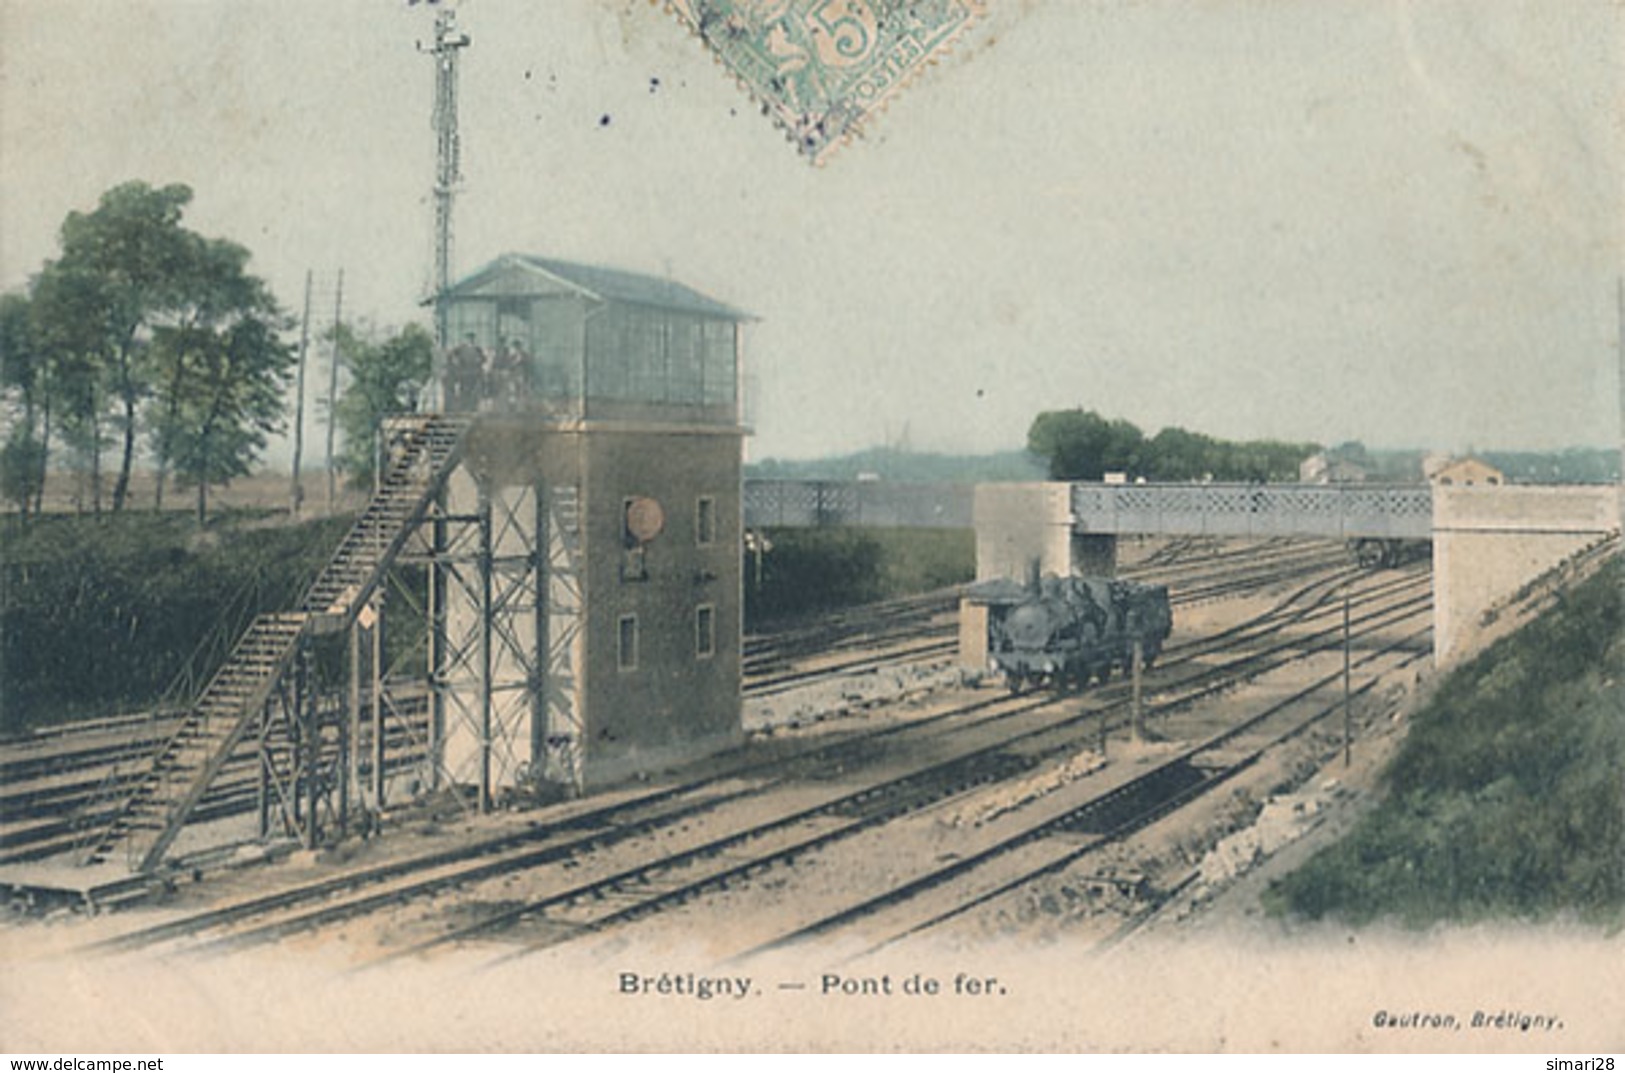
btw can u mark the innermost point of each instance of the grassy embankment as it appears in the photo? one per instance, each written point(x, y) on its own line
point(97, 615)
point(1507, 799)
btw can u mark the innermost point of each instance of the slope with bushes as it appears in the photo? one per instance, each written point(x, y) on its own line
point(1507, 798)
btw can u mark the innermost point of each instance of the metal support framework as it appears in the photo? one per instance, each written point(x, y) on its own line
point(563, 637)
point(395, 722)
point(301, 746)
point(435, 621)
point(380, 779)
point(351, 741)
point(363, 739)
point(482, 614)
point(471, 587)
point(458, 654)
point(482, 631)
point(487, 608)
point(264, 767)
point(536, 687)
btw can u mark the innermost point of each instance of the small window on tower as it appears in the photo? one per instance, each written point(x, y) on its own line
point(705, 521)
point(626, 650)
point(705, 632)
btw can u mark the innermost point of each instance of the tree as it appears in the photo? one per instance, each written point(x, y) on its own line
point(215, 293)
point(384, 379)
point(233, 398)
point(1082, 446)
point(69, 328)
point(136, 263)
point(144, 323)
point(22, 373)
point(1177, 455)
point(1350, 451)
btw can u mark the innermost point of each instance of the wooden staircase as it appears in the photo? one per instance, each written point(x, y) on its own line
point(184, 766)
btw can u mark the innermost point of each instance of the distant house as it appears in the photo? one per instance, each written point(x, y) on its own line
point(1433, 462)
point(1321, 468)
point(1467, 472)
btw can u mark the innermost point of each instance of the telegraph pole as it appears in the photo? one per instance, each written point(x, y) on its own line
point(1348, 714)
point(296, 494)
point(1138, 657)
point(333, 390)
point(448, 42)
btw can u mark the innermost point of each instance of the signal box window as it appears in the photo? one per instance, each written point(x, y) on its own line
point(705, 521)
point(626, 649)
point(705, 632)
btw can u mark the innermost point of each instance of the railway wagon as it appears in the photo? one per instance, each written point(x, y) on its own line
point(1065, 631)
point(1377, 553)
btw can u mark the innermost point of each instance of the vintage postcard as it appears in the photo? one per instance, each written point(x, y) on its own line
point(811, 525)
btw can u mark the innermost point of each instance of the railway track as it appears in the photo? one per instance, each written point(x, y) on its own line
point(49, 799)
point(925, 628)
point(854, 629)
point(1119, 812)
point(1012, 862)
point(816, 810)
point(64, 779)
point(1234, 579)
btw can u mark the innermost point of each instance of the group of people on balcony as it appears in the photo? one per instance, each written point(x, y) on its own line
point(496, 379)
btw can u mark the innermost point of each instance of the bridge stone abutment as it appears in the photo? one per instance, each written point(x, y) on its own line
point(1490, 541)
point(1025, 531)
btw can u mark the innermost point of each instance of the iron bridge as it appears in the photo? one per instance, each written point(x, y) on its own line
point(1337, 511)
point(814, 504)
point(1342, 511)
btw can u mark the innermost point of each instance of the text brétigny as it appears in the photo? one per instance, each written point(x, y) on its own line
point(1505, 1020)
point(684, 984)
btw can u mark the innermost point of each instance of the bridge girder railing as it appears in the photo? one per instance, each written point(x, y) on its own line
point(1333, 511)
point(881, 504)
point(1338, 512)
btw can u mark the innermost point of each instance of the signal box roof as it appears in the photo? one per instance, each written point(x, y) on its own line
point(519, 274)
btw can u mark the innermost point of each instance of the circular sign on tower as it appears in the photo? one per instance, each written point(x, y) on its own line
point(644, 519)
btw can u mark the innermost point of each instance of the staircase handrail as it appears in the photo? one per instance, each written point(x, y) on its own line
point(415, 442)
point(183, 691)
point(202, 780)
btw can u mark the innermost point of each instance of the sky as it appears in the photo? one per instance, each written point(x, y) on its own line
point(1298, 219)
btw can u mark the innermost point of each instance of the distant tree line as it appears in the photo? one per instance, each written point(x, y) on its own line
point(1081, 445)
point(141, 330)
point(1572, 465)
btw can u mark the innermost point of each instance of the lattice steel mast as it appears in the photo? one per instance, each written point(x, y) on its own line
point(448, 42)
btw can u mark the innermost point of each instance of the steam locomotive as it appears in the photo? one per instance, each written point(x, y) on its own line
point(1376, 553)
point(1067, 630)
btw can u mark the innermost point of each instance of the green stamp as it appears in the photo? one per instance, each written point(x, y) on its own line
point(820, 67)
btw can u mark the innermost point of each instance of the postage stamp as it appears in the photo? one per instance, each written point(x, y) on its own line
point(821, 67)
